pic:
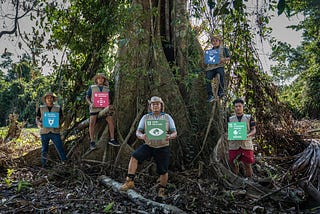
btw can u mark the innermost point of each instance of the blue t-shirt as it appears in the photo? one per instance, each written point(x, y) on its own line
point(89, 92)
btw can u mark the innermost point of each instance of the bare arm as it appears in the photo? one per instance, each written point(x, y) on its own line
point(252, 132)
point(141, 135)
point(88, 100)
point(172, 135)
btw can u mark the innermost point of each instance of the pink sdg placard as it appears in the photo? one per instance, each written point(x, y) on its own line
point(100, 99)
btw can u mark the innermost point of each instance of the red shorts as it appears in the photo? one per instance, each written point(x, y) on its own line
point(246, 156)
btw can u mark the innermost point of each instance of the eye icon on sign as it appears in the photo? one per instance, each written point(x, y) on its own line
point(156, 132)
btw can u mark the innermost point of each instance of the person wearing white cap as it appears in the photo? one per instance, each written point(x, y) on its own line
point(156, 144)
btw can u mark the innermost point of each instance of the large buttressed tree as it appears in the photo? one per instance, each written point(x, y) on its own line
point(156, 59)
point(152, 48)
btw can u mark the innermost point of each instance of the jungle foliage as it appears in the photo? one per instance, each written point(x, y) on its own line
point(89, 33)
point(298, 69)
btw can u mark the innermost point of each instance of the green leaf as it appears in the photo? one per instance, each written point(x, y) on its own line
point(237, 4)
point(281, 6)
point(109, 207)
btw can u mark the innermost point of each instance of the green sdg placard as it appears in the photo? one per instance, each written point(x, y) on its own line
point(237, 131)
point(156, 129)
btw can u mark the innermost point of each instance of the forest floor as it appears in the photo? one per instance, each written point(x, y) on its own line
point(75, 186)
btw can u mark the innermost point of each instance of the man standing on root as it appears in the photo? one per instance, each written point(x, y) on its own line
point(101, 86)
point(158, 149)
point(242, 150)
point(216, 67)
point(49, 119)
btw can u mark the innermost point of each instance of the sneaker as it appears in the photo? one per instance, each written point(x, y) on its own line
point(114, 142)
point(129, 184)
point(93, 145)
point(210, 99)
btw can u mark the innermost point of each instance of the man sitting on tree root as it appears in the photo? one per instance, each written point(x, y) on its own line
point(101, 86)
point(156, 129)
point(242, 150)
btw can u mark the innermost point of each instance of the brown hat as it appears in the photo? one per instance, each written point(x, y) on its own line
point(216, 36)
point(156, 99)
point(100, 75)
point(55, 98)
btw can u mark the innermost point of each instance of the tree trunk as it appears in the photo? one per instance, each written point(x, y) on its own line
point(156, 61)
point(158, 55)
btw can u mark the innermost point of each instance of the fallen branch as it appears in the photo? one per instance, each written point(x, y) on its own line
point(102, 114)
point(275, 191)
point(137, 198)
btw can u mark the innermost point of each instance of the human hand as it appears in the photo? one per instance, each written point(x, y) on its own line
point(142, 136)
point(39, 124)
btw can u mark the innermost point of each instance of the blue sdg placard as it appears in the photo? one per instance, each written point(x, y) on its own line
point(211, 56)
point(50, 120)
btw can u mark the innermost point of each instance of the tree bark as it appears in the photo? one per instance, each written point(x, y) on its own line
point(137, 198)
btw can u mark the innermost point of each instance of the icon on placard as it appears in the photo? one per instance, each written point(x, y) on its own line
point(156, 129)
point(51, 121)
point(156, 132)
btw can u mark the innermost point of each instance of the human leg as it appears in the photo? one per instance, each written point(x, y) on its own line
point(234, 156)
point(92, 123)
point(162, 158)
point(132, 168)
point(112, 140)
point(248, 170)
point(44, 149)
point(56, 139)
point(209, 77)
point(164, 179)
point(142, 153)
point(110, 122)
point(220, 71)
point(247, 159)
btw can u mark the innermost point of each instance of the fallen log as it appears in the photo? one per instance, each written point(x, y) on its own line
point(84, 124)
point(137, 198)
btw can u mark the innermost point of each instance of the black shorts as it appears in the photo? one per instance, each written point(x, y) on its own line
point(161, 156)
point(96, 113)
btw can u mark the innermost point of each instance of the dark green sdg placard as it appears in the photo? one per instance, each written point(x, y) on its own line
point(156, 129)
point(237, 131)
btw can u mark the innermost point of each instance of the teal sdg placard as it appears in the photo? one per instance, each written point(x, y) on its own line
point(237, 131)
point(50, 120)
point(156, 129)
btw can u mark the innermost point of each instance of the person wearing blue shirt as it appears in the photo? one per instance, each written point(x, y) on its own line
point(217, 68)
point(101, 85)
point(48, 133)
